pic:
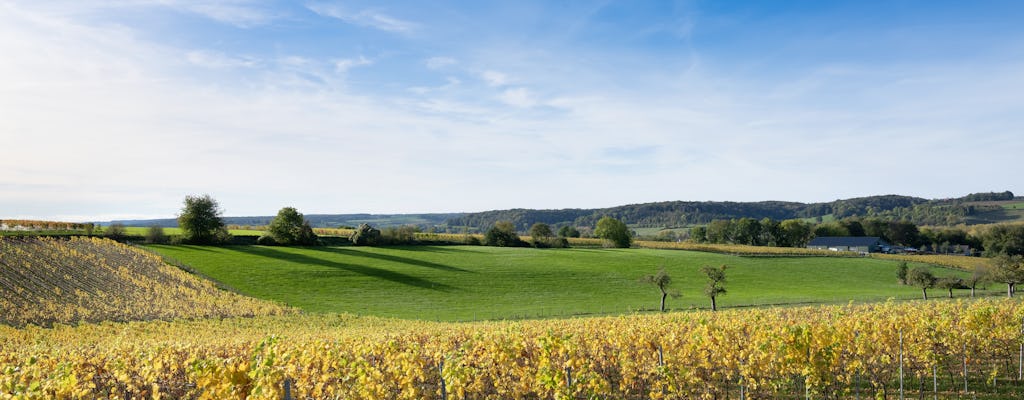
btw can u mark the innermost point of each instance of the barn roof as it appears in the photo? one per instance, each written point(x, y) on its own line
point(852, 241)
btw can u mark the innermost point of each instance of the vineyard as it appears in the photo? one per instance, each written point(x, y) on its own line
point(959, 262)
point(947, 349)
point(44, 281)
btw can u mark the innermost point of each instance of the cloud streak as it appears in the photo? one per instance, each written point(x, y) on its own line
point(365, 18)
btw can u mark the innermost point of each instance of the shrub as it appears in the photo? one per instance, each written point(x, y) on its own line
point(155, 235)
point(365, 235)
point(398, 235)
point(116, 232)
point(503, 234)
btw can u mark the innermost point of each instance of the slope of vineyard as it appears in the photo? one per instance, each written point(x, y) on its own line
point(954, 349)
point(45, 281)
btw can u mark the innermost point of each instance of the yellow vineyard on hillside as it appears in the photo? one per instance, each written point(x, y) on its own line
point(45, 281)
point(819, 352)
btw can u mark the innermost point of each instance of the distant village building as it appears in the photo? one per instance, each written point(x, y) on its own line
point(860, 244)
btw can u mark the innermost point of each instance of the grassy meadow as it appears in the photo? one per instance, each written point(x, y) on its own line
point(474, 282)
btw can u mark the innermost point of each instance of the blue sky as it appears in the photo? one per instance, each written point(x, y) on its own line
point(118, 109)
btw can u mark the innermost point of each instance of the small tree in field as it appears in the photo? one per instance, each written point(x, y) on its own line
point(541, 234)
point(949, 283)
point(614, 231)
point(116, 231)
point(1009, 270)
point(716, 283)
point(155, 235)
point(200, 221)
point(922, 278)
point(662, 281)
point(979, 276)
point(289, 227)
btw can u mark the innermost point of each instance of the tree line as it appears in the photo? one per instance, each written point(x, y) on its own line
point(687, 213)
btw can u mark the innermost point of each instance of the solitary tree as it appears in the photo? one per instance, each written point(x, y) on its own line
point(614, 231)
point(200, 221)
point(922, 278)
point(155, 234)
point(1009, 270)
point(502, 234)
point(979, 276)
point(716, 283)
point(949, 283)
point(289, 227)
point(662, 281)
point(541, 235)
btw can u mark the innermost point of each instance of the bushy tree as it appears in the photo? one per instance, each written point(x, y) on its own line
point(502, 234)
point(1009, 270)
point(116, 231)
point(662, 281)
point(155, 235)
point(716, 283)
point(289, 227)
point(615, 232)
point(699, 234)
point(365, 235)
point(901, 272)
point(980, 275)
point(568, 231)
point(541, 236)
point(922, 278)
point(201, 222)
point(949, 283)
point(1004, 239)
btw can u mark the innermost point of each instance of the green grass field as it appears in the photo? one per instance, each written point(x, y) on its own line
point(474, 282)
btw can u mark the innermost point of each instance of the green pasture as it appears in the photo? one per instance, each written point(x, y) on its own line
point(475, 282)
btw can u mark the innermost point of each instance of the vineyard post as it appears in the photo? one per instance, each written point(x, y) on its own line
point(935, 382)
point(440, 373)
point(856, 385)
point(661, 367)
point(901, 364)
point(965, 368)
point(1020, 357)
point(568, 378)
point(287, 388)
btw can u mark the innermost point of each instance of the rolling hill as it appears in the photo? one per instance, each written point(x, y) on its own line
point(45, 281)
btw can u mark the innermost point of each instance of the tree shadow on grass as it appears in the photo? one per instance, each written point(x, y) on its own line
point(354, 252)
point(392, 276)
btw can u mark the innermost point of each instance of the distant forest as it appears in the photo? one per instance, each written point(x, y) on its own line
point(971, 209)
point(680, 214)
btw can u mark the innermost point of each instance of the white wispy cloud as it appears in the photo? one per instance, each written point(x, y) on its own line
point(240, 13)
point(494, 78)
point(218, 60)
point(367, 18)
point(518, 97)
point(439, 62)
point(343, 65)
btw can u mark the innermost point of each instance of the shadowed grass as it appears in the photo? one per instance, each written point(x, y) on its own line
point(473, 282)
